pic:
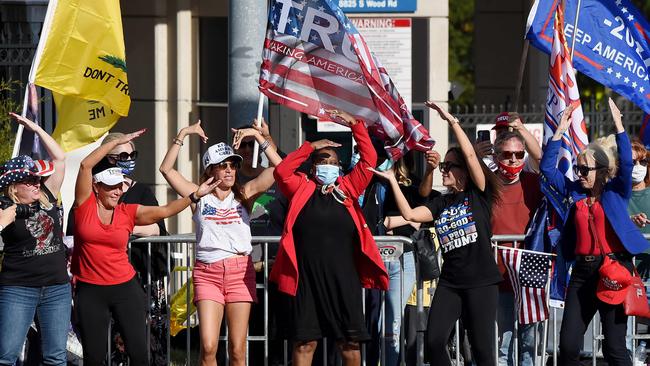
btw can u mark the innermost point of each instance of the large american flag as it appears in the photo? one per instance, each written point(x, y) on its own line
point(314, 59)
point(528, 272)
point(562, 91)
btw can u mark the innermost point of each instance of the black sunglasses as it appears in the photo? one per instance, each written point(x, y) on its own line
point(583, 170)
point(446, 166)
point(505, 155)
point(643, 162)
point(233, 165)
point(124, 156)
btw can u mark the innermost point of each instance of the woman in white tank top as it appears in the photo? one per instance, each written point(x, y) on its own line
point(224, 277)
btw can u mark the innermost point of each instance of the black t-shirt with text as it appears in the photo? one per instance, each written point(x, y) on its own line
point(34, 254)
point(462, 222)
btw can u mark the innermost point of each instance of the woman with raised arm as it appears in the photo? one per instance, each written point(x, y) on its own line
point(33, 280)
point(224, 277)
point(599, 234)
point(327, 253)
point(106, 283)
point(469, 276)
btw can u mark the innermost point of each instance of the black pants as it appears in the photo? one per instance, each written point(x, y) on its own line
point(94, 305)
point(478, 308)
point(579, 308)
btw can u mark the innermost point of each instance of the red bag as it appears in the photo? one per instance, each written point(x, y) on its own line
point(636, 303)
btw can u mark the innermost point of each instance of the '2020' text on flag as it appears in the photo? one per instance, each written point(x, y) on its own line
point(81, 59)
point(528, 274)
point(314, 59)
point(612, 43)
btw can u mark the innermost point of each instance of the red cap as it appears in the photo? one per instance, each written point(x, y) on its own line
point(502, 120)
point(613, 282)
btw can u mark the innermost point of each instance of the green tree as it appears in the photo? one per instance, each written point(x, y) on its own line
point(8, 94)
point(461, 36)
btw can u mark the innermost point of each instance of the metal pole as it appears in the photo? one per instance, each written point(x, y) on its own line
point(554, 336)
point(575, 29)
point(457, 342)
point(266, 304)
point(520, 74)
point(419, 341)
point(245, 44)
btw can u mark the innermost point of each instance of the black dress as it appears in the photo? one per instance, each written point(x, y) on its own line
point(328, 300)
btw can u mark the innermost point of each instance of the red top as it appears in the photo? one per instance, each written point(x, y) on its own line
point(298, 188)
point(511, 215)
point(99, 256)
point(593, 227)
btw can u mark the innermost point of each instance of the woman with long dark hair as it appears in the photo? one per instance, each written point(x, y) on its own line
point(597, 230)
point(469, 276)
point(224, 277)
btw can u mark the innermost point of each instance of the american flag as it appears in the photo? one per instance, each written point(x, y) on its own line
point(314, 59)
point(528, 272)
point(562, 91)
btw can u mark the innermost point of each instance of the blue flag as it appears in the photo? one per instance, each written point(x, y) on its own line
point(611, 43)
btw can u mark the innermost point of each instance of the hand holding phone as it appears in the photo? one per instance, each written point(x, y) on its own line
point(483, 135)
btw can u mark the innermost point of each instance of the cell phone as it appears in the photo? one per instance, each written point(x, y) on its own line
point(482, 135)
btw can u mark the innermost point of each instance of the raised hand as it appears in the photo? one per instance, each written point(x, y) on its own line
point(240, 134)
point(317, 145)
point(341, 116)
point(131, 136)
point(433, 160)
point(484, 148)
point(207, 187)
point(263, 128)
point(442, 112)
point(616, 115)
point(565, 121)
point(27, 123)
point(196, 129)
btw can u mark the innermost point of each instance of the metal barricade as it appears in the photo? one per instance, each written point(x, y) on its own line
point(180, 254)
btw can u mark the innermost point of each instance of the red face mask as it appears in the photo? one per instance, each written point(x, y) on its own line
point(511, 173)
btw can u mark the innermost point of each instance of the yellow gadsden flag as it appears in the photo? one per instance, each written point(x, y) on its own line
point(81, 58)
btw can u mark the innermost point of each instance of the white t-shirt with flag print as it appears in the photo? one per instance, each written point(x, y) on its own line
point(222, 228)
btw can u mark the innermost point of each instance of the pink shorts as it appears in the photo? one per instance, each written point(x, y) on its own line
point(225, 281)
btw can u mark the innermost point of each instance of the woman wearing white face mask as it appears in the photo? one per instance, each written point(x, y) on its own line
point(639, 206)
point(327, 253)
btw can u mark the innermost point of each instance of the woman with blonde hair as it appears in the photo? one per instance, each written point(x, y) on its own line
point(33, 280)
point(224, 277)
point(599, 234)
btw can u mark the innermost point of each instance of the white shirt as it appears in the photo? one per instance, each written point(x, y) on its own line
point(222, 228)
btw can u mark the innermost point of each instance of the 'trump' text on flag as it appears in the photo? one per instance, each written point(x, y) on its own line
point(314, 59)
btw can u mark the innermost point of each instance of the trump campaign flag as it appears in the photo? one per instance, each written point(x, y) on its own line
point(314, 59)
point(611, 43)
point(81, 59)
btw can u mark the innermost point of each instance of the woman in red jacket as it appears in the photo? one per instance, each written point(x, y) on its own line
point(327, 253)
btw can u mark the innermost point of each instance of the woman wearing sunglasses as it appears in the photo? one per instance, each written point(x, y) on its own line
point(469, 277)
point(597, 226)
point(34, 280)
point(106, 283)
point(224, 277)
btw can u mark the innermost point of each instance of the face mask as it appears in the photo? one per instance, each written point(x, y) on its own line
point(511, 173)
point(127, 166)
point(387, 164)
point(638, 173)
point(354, 159)
point(327, 174)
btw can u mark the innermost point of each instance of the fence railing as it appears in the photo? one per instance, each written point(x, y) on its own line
point(180, 253)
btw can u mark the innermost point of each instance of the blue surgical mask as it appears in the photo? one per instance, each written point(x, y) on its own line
point(327, 174)
point(354, 159)
point(386, 165)
point(127, 166)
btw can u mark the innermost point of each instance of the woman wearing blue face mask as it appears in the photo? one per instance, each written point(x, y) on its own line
point(327, 253)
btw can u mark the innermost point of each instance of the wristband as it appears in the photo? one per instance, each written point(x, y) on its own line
point(265, 145)
point(177, 141)
point(194, 198)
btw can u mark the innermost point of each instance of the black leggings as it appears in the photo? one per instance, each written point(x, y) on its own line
point(579, 308)
point(478, 307)
point(94, 305)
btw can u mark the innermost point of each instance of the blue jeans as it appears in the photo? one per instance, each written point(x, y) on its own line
point(394, 310)
point(526, 334)
point(51, 305)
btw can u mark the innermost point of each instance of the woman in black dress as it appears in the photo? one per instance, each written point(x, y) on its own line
point(327, 253)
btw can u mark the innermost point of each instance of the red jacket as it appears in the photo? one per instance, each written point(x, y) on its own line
point(298, 188)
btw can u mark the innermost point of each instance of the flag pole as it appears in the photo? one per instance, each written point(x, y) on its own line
point(260, 110)
point(575, 30)
point(520, 75)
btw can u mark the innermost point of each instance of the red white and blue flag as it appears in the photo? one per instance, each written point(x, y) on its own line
point(563, 91)
point(314, 59)
point(528, 272)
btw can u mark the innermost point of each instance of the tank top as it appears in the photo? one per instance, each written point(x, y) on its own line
point(222, 228)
